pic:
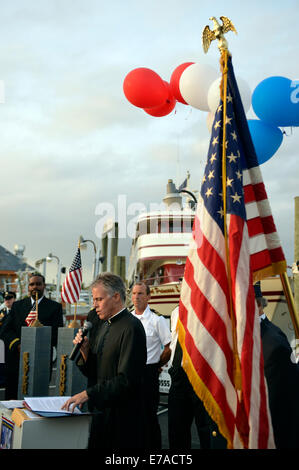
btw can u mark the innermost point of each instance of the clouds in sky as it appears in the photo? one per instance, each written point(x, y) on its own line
point(70, 139)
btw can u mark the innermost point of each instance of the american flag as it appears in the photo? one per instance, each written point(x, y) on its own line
point(218, 316)
point(183, 185)
point(72, 285)
point(32, 315)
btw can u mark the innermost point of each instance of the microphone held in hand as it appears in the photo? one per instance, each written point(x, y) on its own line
point(86, 327)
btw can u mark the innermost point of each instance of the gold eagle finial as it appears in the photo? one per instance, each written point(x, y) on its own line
point(218, 32)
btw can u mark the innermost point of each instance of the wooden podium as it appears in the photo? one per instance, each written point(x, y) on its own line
point(67, 432)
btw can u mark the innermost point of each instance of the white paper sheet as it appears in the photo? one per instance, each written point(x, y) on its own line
point(12, 404)
point(48, 404)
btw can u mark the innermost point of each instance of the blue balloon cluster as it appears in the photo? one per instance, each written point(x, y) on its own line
point(276, 103)
point(266, 139)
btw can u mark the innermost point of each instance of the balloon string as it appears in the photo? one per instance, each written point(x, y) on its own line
point(189, 113)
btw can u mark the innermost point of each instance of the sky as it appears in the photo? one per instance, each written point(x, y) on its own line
point(72, 145)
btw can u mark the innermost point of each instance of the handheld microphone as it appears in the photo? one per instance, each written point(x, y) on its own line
point(86, 327)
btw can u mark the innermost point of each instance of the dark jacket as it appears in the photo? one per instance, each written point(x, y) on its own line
point(49, 314)
point(282, 376)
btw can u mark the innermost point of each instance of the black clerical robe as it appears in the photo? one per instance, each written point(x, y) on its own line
point(115, 370)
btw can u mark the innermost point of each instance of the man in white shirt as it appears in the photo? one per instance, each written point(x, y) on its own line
point(158, 338)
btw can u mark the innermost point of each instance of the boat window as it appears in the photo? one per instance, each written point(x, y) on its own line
point(173, 273)
point(141, 227)
point(165, 274)
point(176, 226)
point(153, 226)
point(187, 225)
point(165, 225)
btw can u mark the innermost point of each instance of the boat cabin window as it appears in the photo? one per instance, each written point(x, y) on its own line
point(164, 225)
point(187, 225)
point(166, 273)
point(175, 225)
point(142, 227)
point(173, 272)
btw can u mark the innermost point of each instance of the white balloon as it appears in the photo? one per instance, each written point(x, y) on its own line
point(214, 94)
point(210, 120)
point(194, 84)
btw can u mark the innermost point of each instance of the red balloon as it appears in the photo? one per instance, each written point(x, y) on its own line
point(144, 88)
point(175, 81)
point(166, 107)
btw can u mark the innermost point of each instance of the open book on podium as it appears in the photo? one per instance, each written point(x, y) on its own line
point(50, 407)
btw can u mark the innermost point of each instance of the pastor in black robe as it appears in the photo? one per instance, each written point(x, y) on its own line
point(115, 369)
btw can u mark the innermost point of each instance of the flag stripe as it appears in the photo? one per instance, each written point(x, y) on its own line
point(255, 192)
point(259, 209)
point(261, 225)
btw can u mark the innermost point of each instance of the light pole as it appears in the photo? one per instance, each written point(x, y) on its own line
point(39, 262)
point(49, 259)
point(96, 255)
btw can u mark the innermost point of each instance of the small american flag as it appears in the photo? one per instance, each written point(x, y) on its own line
point(32, 315)
point(218, 316)
point(72, 285)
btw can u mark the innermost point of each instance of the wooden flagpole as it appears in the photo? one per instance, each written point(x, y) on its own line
point(207, 37)
point(290, 301)
point(237, 365)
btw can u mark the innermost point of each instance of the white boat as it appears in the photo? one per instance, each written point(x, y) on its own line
point(160, 248)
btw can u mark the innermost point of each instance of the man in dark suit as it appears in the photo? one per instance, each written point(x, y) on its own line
point(184, 406)
point(49, 314)
point(282, 377)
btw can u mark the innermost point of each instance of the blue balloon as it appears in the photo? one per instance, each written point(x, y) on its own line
point(276, 101)
point(266, 139)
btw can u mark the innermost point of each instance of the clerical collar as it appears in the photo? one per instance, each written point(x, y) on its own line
point(33, 301)
point(113, 316)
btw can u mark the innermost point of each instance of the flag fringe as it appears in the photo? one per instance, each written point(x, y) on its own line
point(276, 268)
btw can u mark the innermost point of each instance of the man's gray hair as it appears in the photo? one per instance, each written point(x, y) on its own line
point(112, 283)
